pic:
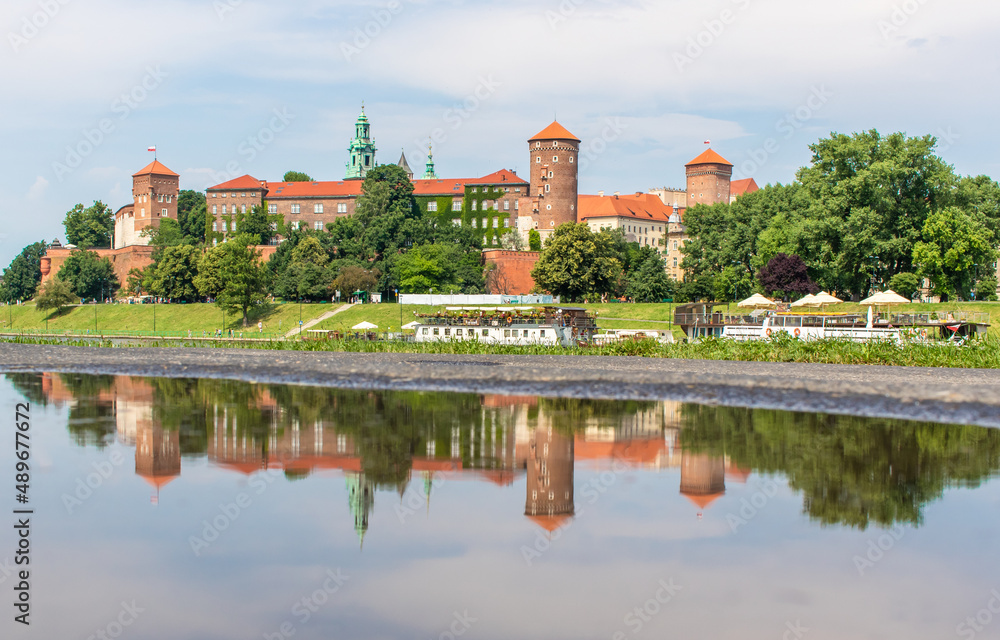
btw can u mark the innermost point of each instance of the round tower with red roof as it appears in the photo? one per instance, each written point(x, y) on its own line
point(708, 179)
point(554, 156)
point(549, 501)
point(155, 190)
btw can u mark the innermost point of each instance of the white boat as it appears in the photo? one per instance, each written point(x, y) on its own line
point(566, 326)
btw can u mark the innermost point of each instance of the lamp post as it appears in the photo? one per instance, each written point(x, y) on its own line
point(300, 315)
point(400, 303)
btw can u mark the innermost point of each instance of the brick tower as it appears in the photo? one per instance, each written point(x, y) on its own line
point(155, 190)
point(554, 154)
point(549, 500)
point(708, 178)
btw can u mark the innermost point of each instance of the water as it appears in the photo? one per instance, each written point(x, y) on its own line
point(209, 509)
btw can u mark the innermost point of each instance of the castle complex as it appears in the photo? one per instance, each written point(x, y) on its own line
point(491, 205)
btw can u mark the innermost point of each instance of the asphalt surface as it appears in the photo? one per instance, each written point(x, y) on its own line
point(961, 396)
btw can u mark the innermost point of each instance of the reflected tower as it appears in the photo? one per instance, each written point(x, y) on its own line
point(157, 455)
point(549, 499)
point(361, 498)
point(703, 478)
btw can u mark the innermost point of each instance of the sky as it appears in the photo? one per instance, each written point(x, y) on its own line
point(224, 88)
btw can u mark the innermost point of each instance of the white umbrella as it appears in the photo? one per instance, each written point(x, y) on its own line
point(411, 325)
point(755, 301)
point(364, 326)
point(824, 298)
point(883, 298)
point(808, 300)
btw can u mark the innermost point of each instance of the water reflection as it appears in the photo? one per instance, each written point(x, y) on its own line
point(850, 471)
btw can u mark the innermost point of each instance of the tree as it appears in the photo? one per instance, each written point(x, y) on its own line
point(512, 240)
point(986, 289)
point(55, 294)
point(353, 278)
point(649, 281)
point(875, 192)
point(534, 240)
point(167, 234)
point(89, 275)
point(209, 279)
point(953, 243)
point(296, 176)
point(429, 266)
point(307, 277)
point(243, 276)
point(786, 274)
point(90, 227)
point(576, 262)
point(21, 278)
point(905, 284)
point(192, 215)
point(257, 223)
point(135, 282)
point(386, 212)
point(173, 274)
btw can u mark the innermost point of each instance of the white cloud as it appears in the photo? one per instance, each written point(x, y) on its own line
point(37, 190)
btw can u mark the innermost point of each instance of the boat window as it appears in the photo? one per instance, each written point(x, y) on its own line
point(437, 331)
point(486, 332)
point(425, 331)
point(447, 331)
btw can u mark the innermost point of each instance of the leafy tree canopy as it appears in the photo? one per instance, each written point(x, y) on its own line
point(21, 278)
point(90, 227)
point(296, 176)
point(576, 262)
point(55, 294)
point(192, 215)
point(244, 278)
point(786, 275)
point(649, 282)
point(954, 245)
point(173, 274)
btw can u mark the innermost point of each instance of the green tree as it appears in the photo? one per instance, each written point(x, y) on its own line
point(307, 277)
point(243, 276)
point(209, 279)
point(90, 227)
point(649, 281)
point(135, 283)
point(905, 284)
point(534, 240)
point(55, 294)
point(428, 266)
point(876, 193)
point(576, 262)
point(986, 289)
point(954, 242)
point(258, 224)
point(173, 274)
point(512, 241)
point(353, 278)
point(387, 214)
point(22, 277)
point(296, 176)
point(89, 275)
point(192, 215)
point(167, 234)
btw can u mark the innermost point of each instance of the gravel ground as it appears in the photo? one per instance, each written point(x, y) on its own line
point(965, 396)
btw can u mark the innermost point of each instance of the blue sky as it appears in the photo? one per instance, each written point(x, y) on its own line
point(643, 83)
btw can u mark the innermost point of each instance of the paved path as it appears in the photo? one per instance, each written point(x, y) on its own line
point(967, 396)
point(312, 323)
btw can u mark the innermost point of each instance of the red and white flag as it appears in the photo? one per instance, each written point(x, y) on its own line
point(708, 142)
point(151, 149)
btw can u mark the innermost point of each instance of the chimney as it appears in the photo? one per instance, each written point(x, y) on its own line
point(617, 194)
point(600, 194)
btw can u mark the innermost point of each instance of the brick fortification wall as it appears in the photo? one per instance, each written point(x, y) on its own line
point(514, 268)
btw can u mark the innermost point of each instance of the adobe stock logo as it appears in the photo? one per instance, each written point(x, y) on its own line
point(31, 27)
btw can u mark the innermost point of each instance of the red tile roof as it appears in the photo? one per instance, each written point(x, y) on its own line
point(709, 157)
point(739, 187)
point(498, 177)
point(638, 206)
point(554, 131)
point(314, 189)
point(243, 182)
point(155, 167)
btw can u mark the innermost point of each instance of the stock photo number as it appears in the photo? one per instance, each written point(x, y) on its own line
point(22, 514)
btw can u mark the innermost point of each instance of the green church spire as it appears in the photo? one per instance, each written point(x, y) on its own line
point(362, 148)
point(429, 171)
point(361, 498)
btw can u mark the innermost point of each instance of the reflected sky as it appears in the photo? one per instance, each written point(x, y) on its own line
point(230, 510)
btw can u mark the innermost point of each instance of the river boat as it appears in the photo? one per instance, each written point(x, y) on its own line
point(549, 325)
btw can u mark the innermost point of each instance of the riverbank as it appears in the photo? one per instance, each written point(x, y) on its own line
point(963, 396)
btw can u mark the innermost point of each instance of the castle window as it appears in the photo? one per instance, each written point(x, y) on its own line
point(456, 205)
point(342, 207)
point(496, 222)
point(295, 208)
point(456, 222)
point(506, 205)
point(555, 158)
point(274, 226)
point(515, 204)
point(243, 194)
point(473, 223)
point(432, 206)
point(494, 240)
point(572, 207)
point(223, 209)
point(318, 225)
point(550, 174)
point(474, 205)
point(215, 227)
point(215, 209)
point(675, 245)
point(225, 194)
point(253, 194)
point(163, 213)
point(486, 223)
point(571, 159)
point(161, 197)
point(538, 144)
point(675, 263)
point(243, 209)
point(549, 207)
point(506, 223)
point(317, 208)
point(474, 190)
point(538, 159)
point(547, 188)
point(272, 208)
point(215, 195)
point(234, 226)
point(224, 226)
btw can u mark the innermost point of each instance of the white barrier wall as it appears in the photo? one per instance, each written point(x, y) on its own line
point(458, 300)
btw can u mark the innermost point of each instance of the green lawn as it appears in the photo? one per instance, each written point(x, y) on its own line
point(281, 318)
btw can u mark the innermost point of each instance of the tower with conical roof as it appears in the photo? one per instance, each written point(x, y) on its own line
point(429, 169)
point(549, 500)
point(703, 478)
point(155, 190)
point(361, 498)
point(708, 179)
point(362, 149)
point(554, 188)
